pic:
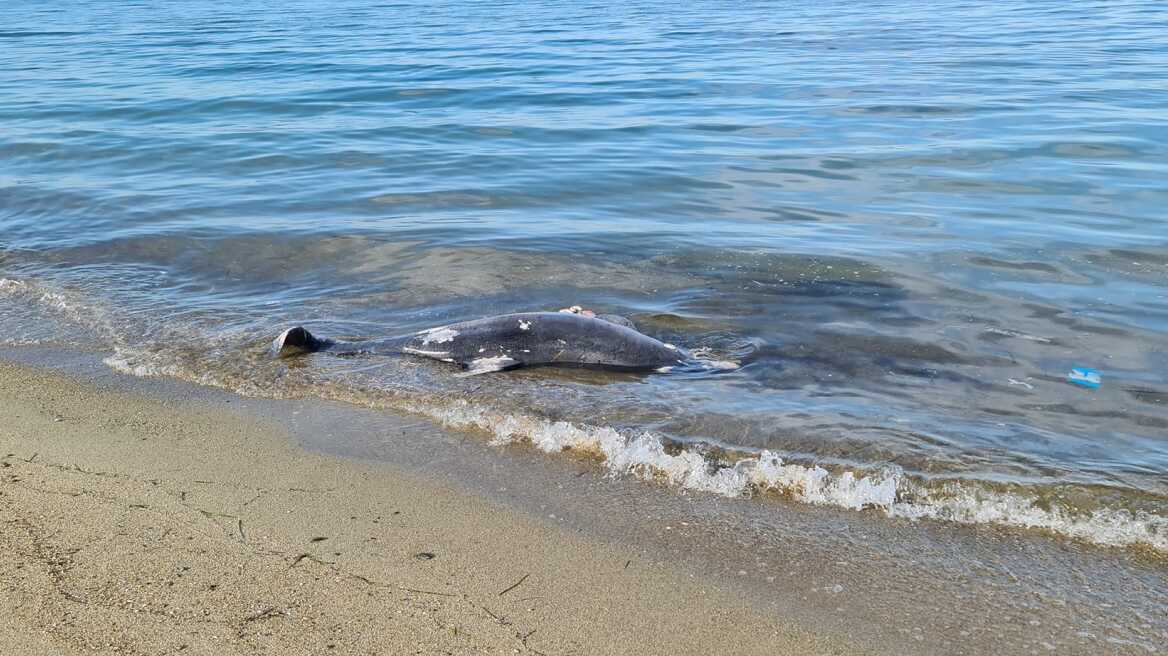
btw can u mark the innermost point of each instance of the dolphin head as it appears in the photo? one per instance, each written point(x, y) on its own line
point(295, 341)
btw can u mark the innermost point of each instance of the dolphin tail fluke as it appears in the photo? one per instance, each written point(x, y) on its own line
point(295, 341)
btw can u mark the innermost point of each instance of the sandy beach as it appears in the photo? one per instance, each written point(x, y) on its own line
point(140, 526)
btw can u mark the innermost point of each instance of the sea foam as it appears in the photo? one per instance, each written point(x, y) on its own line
point(888, 491)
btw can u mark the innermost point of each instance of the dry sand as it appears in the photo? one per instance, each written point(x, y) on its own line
point(131, 525)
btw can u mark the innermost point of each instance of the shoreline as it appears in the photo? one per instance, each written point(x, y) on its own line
point(778, 577)
point(140, 526)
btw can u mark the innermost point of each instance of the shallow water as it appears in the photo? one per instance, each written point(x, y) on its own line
point(907, 224)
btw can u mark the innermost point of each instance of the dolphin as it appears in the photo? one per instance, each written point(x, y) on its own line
point(510, 341)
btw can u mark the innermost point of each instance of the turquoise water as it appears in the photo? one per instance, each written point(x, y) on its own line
point(907, 223)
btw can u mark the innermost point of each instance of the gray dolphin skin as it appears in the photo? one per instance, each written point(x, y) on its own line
point(511, 341)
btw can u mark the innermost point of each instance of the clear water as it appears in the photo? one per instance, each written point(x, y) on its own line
point(908, 223)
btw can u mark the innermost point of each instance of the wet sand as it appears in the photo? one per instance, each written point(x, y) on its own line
point(145, 526)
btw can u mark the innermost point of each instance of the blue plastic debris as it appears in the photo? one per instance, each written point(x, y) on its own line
point(1085, 377)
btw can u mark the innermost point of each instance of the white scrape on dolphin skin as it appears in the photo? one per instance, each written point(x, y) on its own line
point(671, 347)
point(487, 365)
point(438, 335)
point(524, 325)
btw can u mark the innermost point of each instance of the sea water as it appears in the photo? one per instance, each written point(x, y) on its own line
point(909, 224)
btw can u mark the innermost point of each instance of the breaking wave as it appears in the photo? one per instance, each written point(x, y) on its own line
point(888, 490)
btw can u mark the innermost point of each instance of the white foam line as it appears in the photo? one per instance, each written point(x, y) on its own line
point(12, 287)
point(887, 491)
point(428, 354)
